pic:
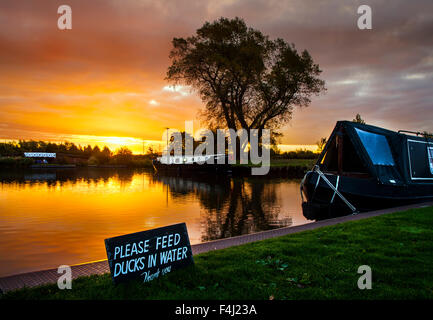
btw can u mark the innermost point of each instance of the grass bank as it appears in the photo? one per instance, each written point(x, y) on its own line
point(317, 264)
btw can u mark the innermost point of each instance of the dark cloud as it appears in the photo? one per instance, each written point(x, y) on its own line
point(385, 74)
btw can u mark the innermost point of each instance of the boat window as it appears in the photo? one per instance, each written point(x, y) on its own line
point(351, 161)
point(420, 155)
point(377, 147)
point(430, 158)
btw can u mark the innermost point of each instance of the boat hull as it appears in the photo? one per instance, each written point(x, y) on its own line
point(364, 194)
point(194, 167)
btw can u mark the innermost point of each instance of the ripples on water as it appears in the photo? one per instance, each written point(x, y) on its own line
point(63, 216)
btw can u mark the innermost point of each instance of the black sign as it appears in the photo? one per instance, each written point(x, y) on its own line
point(150, 254)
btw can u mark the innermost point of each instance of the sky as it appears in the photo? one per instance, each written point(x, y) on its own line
point(102, 82)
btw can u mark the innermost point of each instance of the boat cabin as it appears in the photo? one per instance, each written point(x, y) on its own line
point(183, 159)
point(365, 151)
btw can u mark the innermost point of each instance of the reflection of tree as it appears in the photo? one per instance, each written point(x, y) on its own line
point(232, 206)
point(249, 207)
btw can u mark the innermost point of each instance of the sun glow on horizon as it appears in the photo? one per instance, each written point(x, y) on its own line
point(137, 145)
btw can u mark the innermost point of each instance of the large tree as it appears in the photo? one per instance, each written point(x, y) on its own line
point(245, 79)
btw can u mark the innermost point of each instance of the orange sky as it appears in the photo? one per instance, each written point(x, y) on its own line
point(103, 81)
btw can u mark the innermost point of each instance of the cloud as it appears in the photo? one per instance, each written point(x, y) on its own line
point(180, 90)
point(154, 102)
point(100, 77)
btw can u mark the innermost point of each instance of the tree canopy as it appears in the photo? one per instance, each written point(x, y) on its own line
point(358, 119)
point(245, 79)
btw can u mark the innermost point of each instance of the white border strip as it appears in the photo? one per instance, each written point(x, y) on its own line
point(408, 155)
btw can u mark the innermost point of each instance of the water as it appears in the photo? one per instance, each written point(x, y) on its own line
point(50, 218)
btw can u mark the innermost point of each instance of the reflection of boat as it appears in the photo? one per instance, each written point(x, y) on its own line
point(40, 176)
point(365, 168)
point(52, 166)
point(209, 163)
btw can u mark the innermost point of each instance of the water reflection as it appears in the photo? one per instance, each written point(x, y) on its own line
point(73, 176)
point(233, 206)
point(54, 217)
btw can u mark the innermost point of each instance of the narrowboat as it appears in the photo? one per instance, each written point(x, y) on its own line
point(187, 164)
point(364, 168)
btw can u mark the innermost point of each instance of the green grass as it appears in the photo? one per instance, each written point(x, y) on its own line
point(317, 264)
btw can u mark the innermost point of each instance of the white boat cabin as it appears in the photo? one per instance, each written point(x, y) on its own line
point(189, 159)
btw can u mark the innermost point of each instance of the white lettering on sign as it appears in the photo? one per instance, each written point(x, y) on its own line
point(167, 241)
point(130, 250)
point(173, 255)
point(132, 265)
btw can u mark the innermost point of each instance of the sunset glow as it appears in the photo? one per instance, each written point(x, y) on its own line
point(206, 152)
point(104, 83)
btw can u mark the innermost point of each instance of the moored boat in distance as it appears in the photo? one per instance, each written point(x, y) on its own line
point(184, 163)
point(364, 168)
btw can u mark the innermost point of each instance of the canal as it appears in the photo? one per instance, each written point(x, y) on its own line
point(56, 217)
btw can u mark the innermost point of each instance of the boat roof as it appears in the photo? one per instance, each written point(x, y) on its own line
point(392, 157)
point(386, 132)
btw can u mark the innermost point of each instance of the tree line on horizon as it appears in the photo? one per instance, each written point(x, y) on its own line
point(95, 154)
point(105, 155)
